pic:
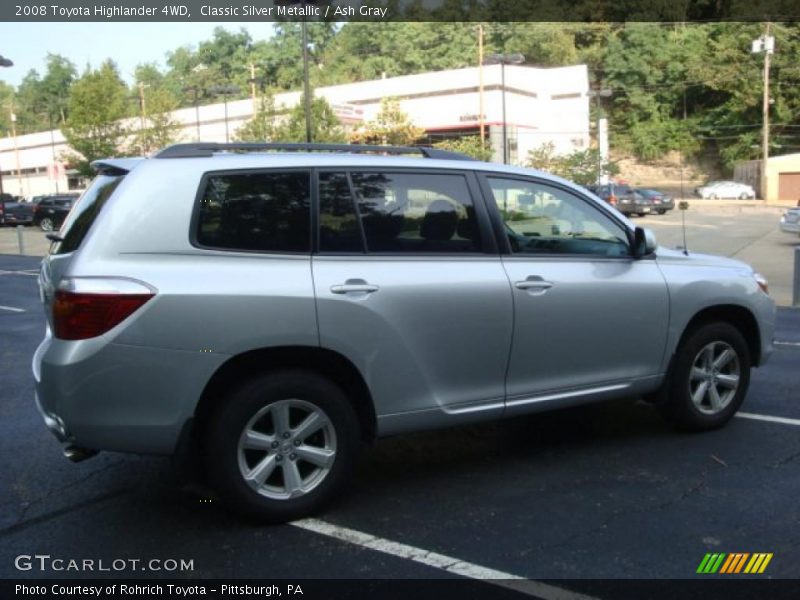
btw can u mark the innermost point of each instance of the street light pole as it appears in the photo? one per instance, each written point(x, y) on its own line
point(597, 94)
point(765, 44)
point(503, 60)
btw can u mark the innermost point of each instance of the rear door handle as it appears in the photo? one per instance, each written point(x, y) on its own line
point(354, 285)
point(534, 282)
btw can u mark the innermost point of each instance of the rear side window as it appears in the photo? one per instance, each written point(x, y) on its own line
point(255, 211)
point(84, 212)
point(416, 212)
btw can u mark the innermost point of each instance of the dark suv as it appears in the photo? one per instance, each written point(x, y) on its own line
point(627, 200)
point(51, 211)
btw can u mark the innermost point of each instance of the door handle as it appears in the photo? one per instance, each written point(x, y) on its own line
point(534, 282)
point(351, 286)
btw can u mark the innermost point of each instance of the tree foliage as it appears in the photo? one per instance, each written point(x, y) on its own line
point(325, 126)
point(688, 87)
point(261, 127)
point(580, 166)
point(98, 102)
point(470, 145)
point(390, 127)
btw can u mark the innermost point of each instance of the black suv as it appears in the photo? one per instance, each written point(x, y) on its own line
point(627, 200)
point(51, 211)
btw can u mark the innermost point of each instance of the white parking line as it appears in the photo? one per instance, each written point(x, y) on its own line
point(786, 343)
point(28, 273)
point(768, 418)
point(440, 561)
point(12, 309)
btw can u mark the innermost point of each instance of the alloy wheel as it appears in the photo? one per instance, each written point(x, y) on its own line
point(714, 377)
point(287, 449)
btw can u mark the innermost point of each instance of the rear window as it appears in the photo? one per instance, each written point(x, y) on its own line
point(84, 212)
point(255, 211)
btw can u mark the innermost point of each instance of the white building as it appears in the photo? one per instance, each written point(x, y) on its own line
point(541, 106)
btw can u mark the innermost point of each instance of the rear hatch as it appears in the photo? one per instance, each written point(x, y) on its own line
point(76, 226)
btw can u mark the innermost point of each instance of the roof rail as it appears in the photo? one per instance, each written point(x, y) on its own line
point(202, 149)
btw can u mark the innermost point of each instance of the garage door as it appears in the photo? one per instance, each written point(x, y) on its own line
point(788, 186)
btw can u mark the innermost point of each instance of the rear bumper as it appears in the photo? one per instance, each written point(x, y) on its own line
point(787, 227)
point(105, 396)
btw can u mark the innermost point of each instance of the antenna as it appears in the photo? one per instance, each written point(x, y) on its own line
point(683, 205)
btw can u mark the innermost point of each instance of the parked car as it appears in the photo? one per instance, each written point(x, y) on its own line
point(627, 200)
point(726, 189)
point(272, 311)
point(661, 201)
point(11, 210)
point(49, 213)
point(790, 220)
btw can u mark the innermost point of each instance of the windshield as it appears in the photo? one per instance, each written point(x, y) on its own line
point(84, 212)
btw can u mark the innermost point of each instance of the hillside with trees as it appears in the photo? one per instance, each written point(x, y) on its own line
point(686, 87)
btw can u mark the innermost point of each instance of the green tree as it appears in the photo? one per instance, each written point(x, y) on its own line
point(391, 126)
point(325, 125)
point(470, 145)
point(98, 102)
point(580, 166)
point(160, 127)
point(261, 127)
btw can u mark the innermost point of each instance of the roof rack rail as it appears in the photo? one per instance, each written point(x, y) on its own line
point(201, 149)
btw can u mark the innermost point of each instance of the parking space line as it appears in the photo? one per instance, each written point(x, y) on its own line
point(28, 273)
point(786, 343)
point(768, 418)
point(440, 561)
point(12, 309)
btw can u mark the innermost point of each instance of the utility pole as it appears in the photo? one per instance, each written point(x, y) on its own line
point(306, 86)
point(252, 81)
point(143, 116)
point(480, 83)
point(769, 46)
point(765, 44)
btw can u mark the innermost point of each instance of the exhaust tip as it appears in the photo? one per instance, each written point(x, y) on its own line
point(76, 454)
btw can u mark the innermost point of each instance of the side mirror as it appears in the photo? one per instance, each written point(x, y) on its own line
point(644, 242)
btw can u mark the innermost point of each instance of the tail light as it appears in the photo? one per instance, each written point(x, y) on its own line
point(80, 312)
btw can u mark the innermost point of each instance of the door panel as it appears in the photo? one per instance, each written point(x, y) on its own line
point(434, 334)
point(586, 314)
point(599, 321)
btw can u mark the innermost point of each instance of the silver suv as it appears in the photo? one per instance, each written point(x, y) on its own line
point(270, 308)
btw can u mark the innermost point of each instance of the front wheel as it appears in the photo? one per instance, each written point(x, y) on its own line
point(709, 379)
point(46, 224)
point(662, 211)
point(282, 446)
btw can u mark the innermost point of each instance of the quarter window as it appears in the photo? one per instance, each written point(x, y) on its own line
point(540, 219)
point(266, 212)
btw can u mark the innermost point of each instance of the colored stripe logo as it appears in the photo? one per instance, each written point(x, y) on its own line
point(736, 562)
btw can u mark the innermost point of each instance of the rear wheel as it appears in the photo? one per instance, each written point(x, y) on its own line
point(661, 211)
point(46, 224)
point(743, 196)
point(282, 445)
point(709, 379)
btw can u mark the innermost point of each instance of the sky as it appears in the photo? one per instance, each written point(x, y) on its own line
point(128, 44)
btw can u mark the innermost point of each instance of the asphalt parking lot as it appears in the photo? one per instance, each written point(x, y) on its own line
point(601, 492)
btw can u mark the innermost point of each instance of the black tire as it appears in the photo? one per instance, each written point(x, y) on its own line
point(662, 211)
point(743, 196)
point(227, 459)
point(679, 407)
point(46, 224)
